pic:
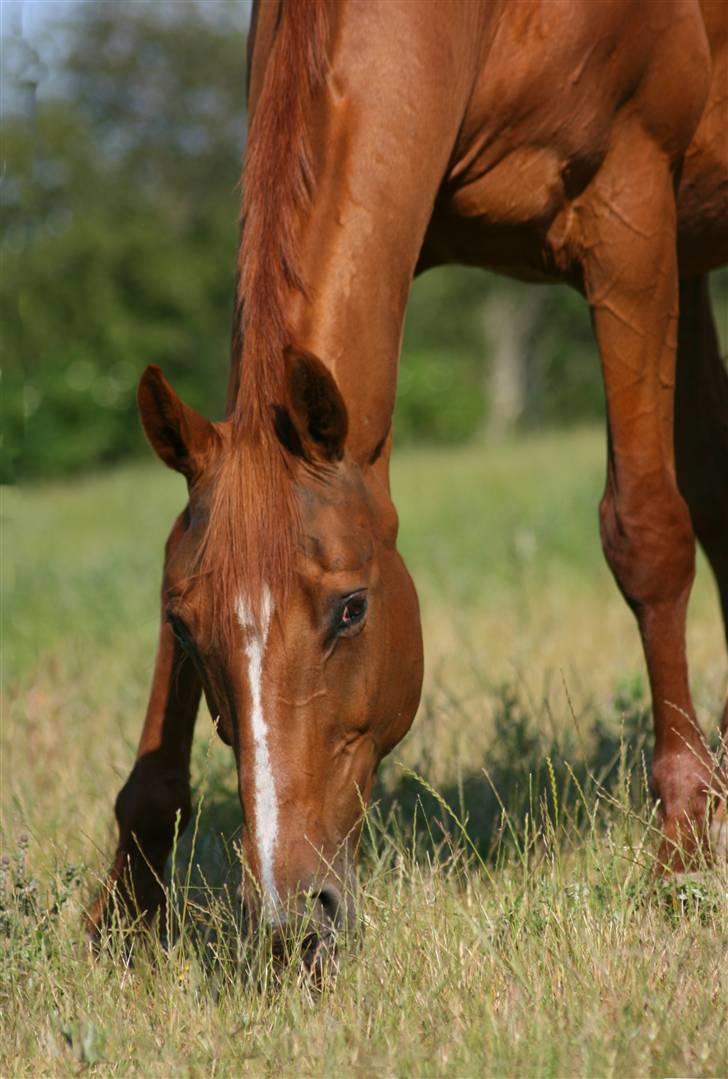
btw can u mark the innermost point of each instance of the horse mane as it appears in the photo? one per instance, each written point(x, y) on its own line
point(253, 527)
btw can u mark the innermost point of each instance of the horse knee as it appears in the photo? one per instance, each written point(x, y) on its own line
point(152, 807)
point(649, 545)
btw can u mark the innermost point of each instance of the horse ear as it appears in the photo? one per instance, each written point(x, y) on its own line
point(181, 437)
point(315, 407)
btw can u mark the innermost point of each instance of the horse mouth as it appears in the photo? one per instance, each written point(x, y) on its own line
point(319, 958)
point(315, 955)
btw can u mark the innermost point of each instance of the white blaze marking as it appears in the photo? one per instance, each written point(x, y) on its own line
point(266, 802)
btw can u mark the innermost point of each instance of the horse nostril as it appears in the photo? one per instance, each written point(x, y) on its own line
point(328, 905)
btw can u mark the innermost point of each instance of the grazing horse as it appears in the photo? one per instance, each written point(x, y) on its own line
point(552, 140)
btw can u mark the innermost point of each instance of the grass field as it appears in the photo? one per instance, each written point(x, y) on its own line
point(510, 923)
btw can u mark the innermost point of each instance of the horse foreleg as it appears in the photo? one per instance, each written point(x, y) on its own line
point(629, 265)
point(156, 797)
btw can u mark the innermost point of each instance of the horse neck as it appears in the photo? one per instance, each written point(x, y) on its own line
point(378, 159)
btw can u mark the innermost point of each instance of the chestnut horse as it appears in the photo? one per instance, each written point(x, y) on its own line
point(558, 140)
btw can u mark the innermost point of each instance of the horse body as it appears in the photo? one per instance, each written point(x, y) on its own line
point(537, 135)
point(703, 192)
point(544, 140)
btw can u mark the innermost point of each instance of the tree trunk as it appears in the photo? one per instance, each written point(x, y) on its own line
point(508, 321)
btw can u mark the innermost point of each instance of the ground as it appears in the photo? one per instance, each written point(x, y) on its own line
point(511, 924)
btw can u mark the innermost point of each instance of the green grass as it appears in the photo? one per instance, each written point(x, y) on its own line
point(511, 926)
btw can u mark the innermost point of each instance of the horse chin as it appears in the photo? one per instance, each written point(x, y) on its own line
point(313, 951)
point(320, 959)
point(314, 958)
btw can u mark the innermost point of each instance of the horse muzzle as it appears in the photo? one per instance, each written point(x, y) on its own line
point(306, 927)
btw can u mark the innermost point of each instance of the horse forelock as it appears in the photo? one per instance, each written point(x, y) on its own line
point(249, 544)
point(253, 527)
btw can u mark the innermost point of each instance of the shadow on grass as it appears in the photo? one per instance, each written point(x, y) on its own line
point(540, 784)
point(547, 782)
point(534, 788)
point(527, 774)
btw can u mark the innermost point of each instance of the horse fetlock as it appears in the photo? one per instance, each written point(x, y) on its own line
point(692, 794)
point(683, 779)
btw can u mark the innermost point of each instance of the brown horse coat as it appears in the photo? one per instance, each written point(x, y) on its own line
point(565, 140)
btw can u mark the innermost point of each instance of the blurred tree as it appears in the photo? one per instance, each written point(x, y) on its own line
point(508, 325)
point(439, 394)
point(118, 223)
point(471, 336)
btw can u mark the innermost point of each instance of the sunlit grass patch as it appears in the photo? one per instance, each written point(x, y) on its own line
point(547, 957)
point(510, 922)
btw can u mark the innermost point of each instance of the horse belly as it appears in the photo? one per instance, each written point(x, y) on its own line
point(703, 216)
point(703, 195)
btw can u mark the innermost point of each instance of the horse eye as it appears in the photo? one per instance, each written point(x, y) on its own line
point(180, 632)
point(353, 610)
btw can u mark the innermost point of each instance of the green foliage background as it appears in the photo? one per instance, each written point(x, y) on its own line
point(122, 142)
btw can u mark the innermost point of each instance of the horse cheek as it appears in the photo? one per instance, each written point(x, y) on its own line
point(403, 669)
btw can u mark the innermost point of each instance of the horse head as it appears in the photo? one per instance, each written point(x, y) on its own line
point(315, 674)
